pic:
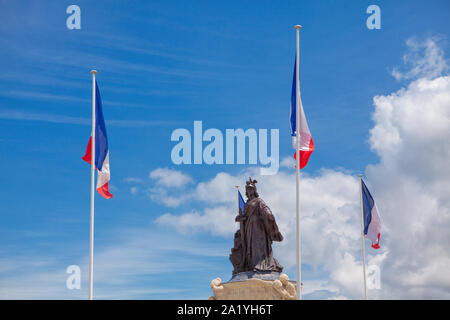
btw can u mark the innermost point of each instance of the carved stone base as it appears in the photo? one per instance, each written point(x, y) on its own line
point(254, 289)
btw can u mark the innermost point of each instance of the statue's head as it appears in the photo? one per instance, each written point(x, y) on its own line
point(250, 189)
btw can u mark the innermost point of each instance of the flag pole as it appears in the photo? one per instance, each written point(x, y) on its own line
point(241, 227)
point(237, 191)
point(297, 119)
point(362, 237)
point(91, 240)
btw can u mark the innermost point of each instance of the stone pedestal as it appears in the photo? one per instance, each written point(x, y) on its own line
point(253, 288)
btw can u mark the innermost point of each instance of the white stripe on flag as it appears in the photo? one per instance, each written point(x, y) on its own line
point(374, 226)
point(103, 176)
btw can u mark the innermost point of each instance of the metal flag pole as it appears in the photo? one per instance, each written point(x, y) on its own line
point(237, 189)
point(362, 237)
point(91, 240)
point(241, 226)
point(297, 116)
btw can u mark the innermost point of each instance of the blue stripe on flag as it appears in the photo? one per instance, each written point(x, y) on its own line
point(294, 101)
point(368, 204)
point(101, 140)
point(241, 203)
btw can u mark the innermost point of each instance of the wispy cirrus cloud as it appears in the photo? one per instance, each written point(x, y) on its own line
point(53, 118)
point(133, 180)
point(81, 59)
point(43, 96)
point(121, 266)
point(423, 59)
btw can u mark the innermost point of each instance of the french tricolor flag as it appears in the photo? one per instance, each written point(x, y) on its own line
point(306, 141)
point(101, 149)
point(371, 218)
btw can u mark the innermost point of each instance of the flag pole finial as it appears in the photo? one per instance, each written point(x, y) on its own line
point(360, 175)
point(94, 71)
point(297, 26)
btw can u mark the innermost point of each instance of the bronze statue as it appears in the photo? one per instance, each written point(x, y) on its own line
point(252, 252)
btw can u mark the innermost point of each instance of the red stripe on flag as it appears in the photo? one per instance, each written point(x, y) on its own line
point(104, 191)
point(304, 155)
point(376, 245)
point(88, 156)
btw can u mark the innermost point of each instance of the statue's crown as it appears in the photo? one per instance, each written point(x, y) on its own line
point(251, 183)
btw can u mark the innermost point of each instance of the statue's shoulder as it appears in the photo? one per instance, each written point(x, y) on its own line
point(255, 202)
point(263, 206)
point(260, 202)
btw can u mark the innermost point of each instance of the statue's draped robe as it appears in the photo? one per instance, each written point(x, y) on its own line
point(260, 231)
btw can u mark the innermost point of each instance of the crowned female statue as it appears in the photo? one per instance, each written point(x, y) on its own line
point(252, 250)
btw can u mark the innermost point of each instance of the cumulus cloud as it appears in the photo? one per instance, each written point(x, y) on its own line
point(216, 220)
point(288, 162)
point(329, 217)
point(412, 127)
point(411, 184)
point(165, 180)
point(170, 178)
point(162, 195)
point(412, 179)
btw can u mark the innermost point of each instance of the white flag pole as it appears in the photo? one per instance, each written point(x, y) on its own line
point(297, 134)
point(91, 240)
point(362, 237)
point(241, 227)
point(237, 189)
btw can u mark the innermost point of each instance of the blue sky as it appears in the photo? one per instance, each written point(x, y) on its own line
point(161, 65)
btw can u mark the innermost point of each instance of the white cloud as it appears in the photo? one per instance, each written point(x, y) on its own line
point(424, 60)
point(161, 195)
point(216, 220)
point(170, 178)
point(412, 127)
point(134, 190)
point(288, 162)
point(412, 182)
point(62, 119)
point(134, 180)
point(165, 180)
point(220, 189)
